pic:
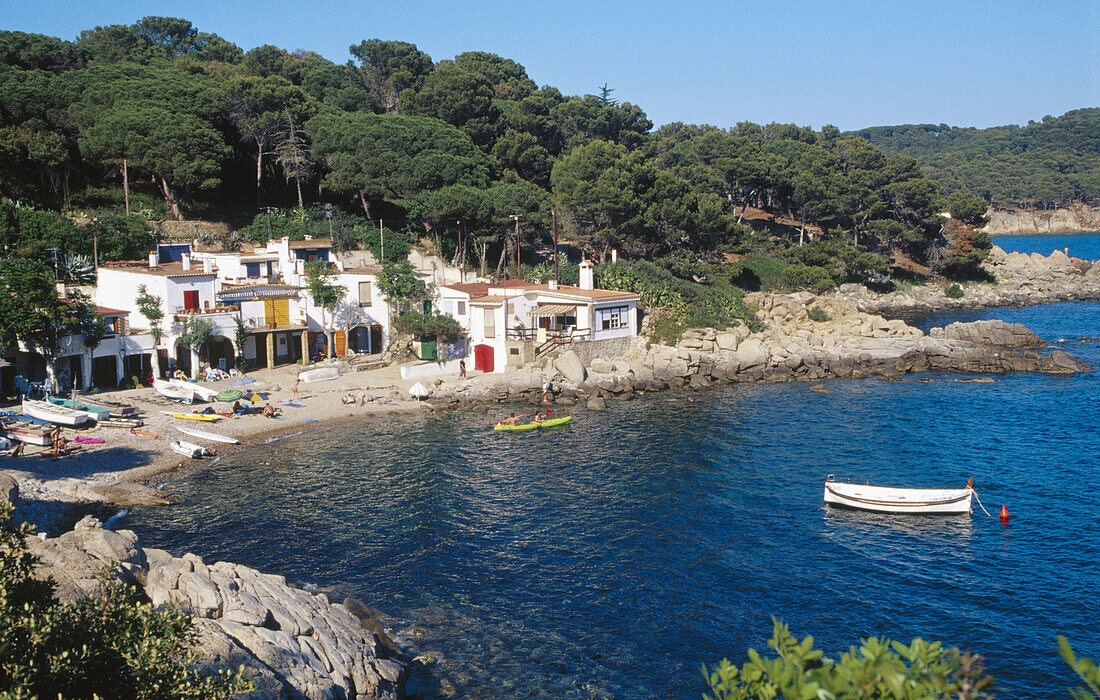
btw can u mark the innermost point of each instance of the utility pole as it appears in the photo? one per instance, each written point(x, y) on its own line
point(382, 241)
point(328, 215)
point(461, 254)
point(554, 213)
point(95, 240)
point(519, 273)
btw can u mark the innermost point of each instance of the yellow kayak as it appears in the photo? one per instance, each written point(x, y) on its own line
point(548, 423)
point(194, 416)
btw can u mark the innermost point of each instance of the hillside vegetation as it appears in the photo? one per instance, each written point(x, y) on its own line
point(1044, 164)
point(129, 125)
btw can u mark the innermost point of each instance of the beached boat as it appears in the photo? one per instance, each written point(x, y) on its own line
point(94, 413)
point(23, 430)
point(170, 390)
point(548, 423)
point(121, 423)
point(321, 374)
point(59, 415)
point(190, 449)
point(203, 435)
point(116, 409)
point(201, 392)
point(885, 499)
point(207, 417)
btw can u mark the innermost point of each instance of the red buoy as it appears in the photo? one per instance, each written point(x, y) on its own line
point(1004, 515)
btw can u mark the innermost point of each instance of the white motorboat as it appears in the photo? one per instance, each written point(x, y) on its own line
point(58, 415)
point(175, 392)
point(204, 435)
point(885, 499)
point(320, 374)
point(190, 449)
point(200, 391)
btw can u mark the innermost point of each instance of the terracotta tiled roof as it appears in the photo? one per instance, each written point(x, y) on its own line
point(312, 243)
point(107, 311)
point(474, 289)
point(167, 269)
point(489, 300)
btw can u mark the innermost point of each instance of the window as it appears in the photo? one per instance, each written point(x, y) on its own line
point(461, 308)
point(252, 270)
point(364, 295)
point(490, 323)
point(614, 317)
point(119, 325)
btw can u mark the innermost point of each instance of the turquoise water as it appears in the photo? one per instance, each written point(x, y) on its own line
point(615, 556)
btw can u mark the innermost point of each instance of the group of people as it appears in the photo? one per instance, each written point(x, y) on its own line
point(59, 446)
point(246, 409)
point(513, 419)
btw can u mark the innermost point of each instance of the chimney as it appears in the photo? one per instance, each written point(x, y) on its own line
point(186, 261)
point(552, 285)
point(152, 258)
point(207, 265)
point(587, 275)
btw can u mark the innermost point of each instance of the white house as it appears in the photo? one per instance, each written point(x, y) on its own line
point(509, 321)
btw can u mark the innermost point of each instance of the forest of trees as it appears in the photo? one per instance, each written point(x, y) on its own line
point(130, 124)
point(1044, 164)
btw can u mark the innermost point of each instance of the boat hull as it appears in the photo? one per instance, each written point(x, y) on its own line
point(883, 499)
point(204, 435)
point(321, 374)
point(173, 392)
point(94, 413)
point(58, 415)
point(24, 431)
point(189, 449)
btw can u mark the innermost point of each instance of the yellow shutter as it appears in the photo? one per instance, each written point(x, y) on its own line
point(277, 311)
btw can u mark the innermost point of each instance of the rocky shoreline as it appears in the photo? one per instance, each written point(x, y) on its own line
point(294, 643)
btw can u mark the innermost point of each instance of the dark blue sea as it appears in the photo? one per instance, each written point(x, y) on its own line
point(614, 557)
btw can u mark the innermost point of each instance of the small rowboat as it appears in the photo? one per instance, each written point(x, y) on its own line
point(190, 449)
point(116, 409)
point(94, 413)
point(18, 428)
point(121, 423)
point(884, 499)
point(174, 392)
point(548, 423)
point(320, 374)
point(208, 417)
point(203, 435)
point(59, 415)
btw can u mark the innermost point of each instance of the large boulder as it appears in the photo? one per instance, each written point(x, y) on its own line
point(9, 489)
point(751, 353)
point(993, 332)
point(571, 367)
point(76, 558)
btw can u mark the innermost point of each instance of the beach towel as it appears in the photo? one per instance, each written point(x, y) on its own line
point(81, 440)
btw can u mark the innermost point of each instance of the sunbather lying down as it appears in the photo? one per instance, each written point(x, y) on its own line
point(271, 411)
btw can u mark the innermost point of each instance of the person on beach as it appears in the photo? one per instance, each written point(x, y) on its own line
point(18, 449)
point(462, 369)
point(271, 412)
point(294, 388)
point(547, 389)
point(178, 374)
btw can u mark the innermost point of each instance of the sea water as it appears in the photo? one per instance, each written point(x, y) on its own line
point(613, 557)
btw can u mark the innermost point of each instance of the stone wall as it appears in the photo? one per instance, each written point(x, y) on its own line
point(610, 348)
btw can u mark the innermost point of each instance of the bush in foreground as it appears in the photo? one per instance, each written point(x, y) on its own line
point(877, 668)
point(113, 645)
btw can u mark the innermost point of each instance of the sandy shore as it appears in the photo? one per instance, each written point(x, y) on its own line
point(93, 471)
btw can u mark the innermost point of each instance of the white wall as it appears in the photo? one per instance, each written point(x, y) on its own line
point(118, 289)
point(431, 369)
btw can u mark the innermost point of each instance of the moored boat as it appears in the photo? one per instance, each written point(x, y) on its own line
point(169, 390)
point(886, 499)
point(23, 430)
point(59, 415)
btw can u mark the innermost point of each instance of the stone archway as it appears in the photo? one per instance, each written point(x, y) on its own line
point(218, 349)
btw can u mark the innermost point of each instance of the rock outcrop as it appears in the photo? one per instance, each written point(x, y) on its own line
point(9, 489)
point(292, 643)
point(1079, 218)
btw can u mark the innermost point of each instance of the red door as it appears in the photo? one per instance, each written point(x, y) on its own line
point(483, 358)
point(191, 300)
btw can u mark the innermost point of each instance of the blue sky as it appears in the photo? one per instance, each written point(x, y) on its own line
point(851, 64)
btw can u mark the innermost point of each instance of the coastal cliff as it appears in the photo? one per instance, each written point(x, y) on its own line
point(1079, 218)
point(290, 642)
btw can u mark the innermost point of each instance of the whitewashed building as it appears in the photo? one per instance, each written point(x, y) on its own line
point(510, 322)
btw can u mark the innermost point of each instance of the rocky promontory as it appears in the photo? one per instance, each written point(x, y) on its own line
point(291, 643)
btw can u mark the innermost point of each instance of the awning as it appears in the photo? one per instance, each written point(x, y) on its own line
point(554, 310)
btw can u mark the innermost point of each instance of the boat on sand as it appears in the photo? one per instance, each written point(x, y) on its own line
point(886, 499)
point(93, 412)
point(205, 417)
point(19, 428)
point(204, 435)
point(174, 392)
point(59, 415)
point(320, 374)
point(190, 449)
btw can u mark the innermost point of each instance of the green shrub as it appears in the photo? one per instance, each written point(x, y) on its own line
point(110, 645)
point(761, 273)
point(428, 326)
point(953, 291)
point(878, 668)
point(667, 330)
point(816, 313)
point(798, 277)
